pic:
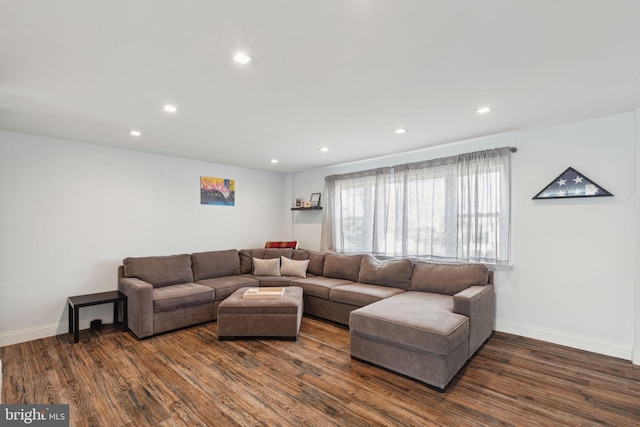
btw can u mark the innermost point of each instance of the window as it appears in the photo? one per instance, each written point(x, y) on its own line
point(456, 209)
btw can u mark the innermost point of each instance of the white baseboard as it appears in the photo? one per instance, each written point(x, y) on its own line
point(635, 359)
point(569, 340)
point(37, 332)
point(44, 331)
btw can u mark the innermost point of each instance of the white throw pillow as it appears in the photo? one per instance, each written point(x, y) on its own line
point(291, 267)
point(266, 267)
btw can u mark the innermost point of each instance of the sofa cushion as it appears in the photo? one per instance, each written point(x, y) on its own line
point(447, 279)
point(318, 286)
point(225, 286)
point(289, 267)
point(361, 294)
point(276, 253)
point(245, 260)
point(316, 263)
point(414, 319)
point(393, 272)
point(207, 265)
point(340, 266)
point(160, 270)
point(266, 267)
point(300, 254)
point(182, 295)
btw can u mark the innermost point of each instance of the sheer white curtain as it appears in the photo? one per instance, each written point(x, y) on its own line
point(356, 210)
point(456, 208)
point(484, 206)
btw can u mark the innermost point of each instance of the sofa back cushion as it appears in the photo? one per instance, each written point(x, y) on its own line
point(339, 266)
point(160, 270)
point(271, 253)
point(245, 259)
point(316, 263)
point(300, 254)
point(394, 272)
point(447, 279)
point(209, 265)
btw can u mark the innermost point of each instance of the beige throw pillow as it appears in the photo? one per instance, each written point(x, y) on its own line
point(290, 267)
point(266, 267)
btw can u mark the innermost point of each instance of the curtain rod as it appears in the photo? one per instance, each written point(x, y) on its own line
point(368, 172)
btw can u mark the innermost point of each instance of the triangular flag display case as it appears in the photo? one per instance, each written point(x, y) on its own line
point(569, 184)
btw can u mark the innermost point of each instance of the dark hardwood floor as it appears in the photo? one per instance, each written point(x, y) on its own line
point(189, 378)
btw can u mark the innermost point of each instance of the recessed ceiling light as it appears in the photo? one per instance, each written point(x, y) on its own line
point(400, 131)
point(483, 110)
point(323, 149)
point(274, 160)
point(135, 133)
point(170, 108)
point(241, 58)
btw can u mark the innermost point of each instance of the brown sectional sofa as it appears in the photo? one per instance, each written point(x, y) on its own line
point(419, 318)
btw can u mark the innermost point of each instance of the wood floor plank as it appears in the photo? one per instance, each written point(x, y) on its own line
point(189, 378)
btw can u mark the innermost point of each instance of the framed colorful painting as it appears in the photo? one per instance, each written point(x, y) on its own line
point(217, 191)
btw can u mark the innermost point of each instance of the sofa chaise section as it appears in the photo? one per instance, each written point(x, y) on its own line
point(429, 332)
point(161, 294)
point(470, 287)
point(415, 334)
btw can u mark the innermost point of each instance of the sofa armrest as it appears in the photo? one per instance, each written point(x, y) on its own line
point(139, 305)
point(478, 304)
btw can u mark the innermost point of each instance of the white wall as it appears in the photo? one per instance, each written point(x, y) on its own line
point(70, 212)
point(572, 279)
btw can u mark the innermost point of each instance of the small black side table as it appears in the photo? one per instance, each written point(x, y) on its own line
point(94, 299)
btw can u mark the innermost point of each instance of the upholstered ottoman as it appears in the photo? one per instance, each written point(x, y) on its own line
point(239, 317)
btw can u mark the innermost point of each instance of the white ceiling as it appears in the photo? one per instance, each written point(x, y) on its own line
point(336, 73)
